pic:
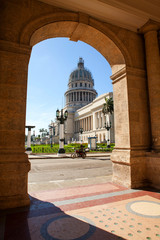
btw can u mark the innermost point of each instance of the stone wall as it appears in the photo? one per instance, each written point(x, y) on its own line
point(28, 22)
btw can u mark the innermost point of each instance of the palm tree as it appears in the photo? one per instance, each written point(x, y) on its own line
point(108, 109)
point(43, 131)
point(108, 106)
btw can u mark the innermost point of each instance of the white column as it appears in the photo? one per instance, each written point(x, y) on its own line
point(94, 121)
point(29, 138)
point(61, 136)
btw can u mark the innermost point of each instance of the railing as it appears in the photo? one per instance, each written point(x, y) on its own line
point(68, 149)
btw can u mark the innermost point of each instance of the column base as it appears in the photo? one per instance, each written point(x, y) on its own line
point(14, 170)
point(14, 201)
point(61, 151)
point(129, 168)
point(153, 169)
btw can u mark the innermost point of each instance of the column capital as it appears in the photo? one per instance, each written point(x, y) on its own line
point(150, 26)
point(15, 47)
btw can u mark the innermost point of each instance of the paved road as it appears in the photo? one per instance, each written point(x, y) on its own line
point(58, 173)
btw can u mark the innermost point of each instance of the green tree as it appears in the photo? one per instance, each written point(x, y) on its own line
point(108, 106)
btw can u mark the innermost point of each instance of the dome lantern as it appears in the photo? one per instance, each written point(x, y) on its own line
point(81, 63)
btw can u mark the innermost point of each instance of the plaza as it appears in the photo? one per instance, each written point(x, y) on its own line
point(75, 199)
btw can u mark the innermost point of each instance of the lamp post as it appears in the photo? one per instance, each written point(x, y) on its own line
point(61, 118)
point(50, 128)
point(81, 131)
point(108, 128)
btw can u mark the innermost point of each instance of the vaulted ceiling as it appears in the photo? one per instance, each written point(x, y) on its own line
point(128, 14)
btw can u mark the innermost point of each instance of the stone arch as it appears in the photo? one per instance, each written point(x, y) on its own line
point(78, 26)
point(121, 48)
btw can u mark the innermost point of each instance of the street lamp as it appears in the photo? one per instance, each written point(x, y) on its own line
point(108, 128)
point(81, 131)
point(61, 118)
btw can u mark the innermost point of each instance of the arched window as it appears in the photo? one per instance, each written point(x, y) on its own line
point(80, 73)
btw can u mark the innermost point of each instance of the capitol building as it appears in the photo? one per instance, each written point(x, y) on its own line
point(84, 110)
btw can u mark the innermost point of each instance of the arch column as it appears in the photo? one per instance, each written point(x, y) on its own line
point(152, 48)
point(14, 59)
point(132, 129)
point(150, 30)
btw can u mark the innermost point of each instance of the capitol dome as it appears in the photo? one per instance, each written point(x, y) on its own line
point(80, 88)
point(81, 73)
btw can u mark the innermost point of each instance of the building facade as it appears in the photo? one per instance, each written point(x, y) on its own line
point(93, 121)
point(84, 110)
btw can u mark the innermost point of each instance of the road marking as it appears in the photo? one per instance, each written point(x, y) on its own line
point(79, 179)
point(55, 181)
point(32, 183)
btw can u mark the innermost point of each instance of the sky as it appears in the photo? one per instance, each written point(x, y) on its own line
point(51, 63)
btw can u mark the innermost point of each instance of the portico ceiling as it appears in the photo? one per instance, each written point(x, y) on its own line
point(128, 14)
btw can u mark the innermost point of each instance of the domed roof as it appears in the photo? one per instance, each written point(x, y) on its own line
point(81, 73)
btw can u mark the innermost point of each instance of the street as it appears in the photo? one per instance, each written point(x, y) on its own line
point(47, 174)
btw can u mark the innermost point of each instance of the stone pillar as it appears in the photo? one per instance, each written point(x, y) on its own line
point(150, 30)
point(98, 120)
point(87, 123)
point(132, 129)
point(152, 48)
point(29, 138)
point(14, 59)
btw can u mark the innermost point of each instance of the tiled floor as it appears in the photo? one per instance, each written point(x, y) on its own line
point(94, 212)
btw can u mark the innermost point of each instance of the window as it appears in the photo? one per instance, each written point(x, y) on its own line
point(75, 84)
point(72, 85)
point(89, 85)
point(80, 84)
point(85, 84)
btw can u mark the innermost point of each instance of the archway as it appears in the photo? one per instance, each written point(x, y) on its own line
point(131, 124)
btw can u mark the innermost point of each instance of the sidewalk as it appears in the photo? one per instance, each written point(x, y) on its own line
point(93, 212)
point(68, 155)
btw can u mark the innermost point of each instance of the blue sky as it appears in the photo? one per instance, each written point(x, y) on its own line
point(50, 65)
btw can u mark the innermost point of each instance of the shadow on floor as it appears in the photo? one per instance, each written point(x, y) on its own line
point(43, 220)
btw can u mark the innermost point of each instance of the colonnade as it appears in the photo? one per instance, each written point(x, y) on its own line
point(93, 122)
point(99, 120)
point(80, 96)
point(85, 123)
